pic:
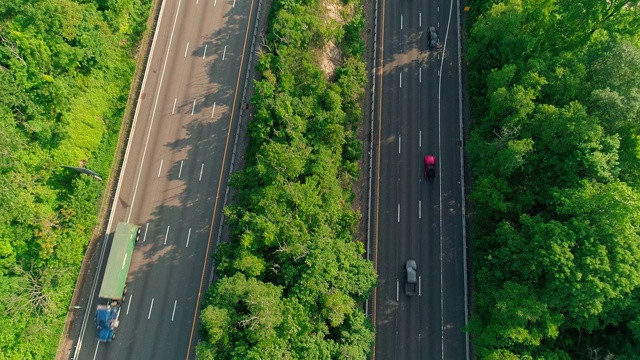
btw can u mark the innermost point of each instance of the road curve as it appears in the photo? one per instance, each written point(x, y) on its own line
point(417, 112)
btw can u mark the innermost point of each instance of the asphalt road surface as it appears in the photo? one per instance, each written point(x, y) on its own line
point(175, 175)
point(418, 112)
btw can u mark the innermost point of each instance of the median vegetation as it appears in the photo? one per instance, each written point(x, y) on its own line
point(555, 156)
point(292, 279)
point(65, 72)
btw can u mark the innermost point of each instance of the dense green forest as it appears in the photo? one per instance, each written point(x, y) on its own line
point(555, 155)
point(65, 72)
point(292, 279)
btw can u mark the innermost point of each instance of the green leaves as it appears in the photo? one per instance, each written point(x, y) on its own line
point(520, 319)
point(554, 154)
point(249, 313)
point(277, 162)
point(63, 75)
point(292, 277)
point(570, 144)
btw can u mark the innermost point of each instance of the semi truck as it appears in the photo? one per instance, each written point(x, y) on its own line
point(113, 289)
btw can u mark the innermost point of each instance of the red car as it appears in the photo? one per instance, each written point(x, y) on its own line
point(429, 167)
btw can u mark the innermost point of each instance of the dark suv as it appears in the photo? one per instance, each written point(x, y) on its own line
point(432, 37)
point(411, 277)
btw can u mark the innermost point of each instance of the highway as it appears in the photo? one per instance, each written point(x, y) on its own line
point(174, 177)
point(417, 111)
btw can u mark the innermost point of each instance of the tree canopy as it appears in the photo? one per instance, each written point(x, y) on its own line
point(292, 278)
point(554, 156)
point(65, 73)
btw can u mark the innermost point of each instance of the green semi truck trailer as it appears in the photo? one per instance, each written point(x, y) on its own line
point(113, 289)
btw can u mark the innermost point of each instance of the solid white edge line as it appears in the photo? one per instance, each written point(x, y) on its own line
point(85, 317)
point(462, 187)
point(186, 49)
point(371, 141)
point(444, 48)
point(153, 114)
point(442, 330)
point(144, 238)
point(160, 168)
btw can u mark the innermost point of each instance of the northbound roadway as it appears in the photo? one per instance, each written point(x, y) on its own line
point(418, 112)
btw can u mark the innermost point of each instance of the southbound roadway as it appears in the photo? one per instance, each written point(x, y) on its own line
point(174, 177)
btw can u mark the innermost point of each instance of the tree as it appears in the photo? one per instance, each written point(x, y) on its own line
point(569, 145)
point(56, 57)
point(555, 243)
point(579, 21)
point(606, 251)
point(518, 320)
point(247, 315)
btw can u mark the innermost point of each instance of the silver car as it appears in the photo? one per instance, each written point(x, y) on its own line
point(411, 277)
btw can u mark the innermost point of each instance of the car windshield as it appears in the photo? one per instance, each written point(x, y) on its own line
point(411, 271)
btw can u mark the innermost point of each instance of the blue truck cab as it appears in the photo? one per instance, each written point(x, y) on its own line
point(107, 319)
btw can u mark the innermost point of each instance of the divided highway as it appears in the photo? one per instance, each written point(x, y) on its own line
point(174, 177)
point(418, 112)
